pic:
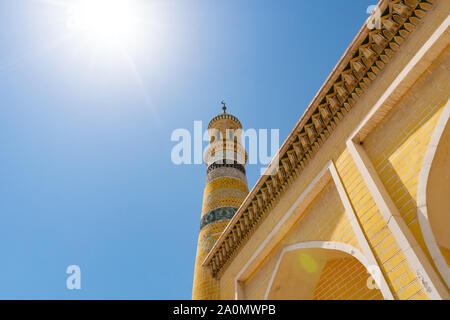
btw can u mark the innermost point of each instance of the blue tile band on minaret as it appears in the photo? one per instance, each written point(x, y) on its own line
point(219, 214)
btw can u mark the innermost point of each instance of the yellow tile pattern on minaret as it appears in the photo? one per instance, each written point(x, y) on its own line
point(224, 192)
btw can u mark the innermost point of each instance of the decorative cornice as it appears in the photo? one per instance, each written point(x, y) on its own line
point(224, 163)
point(366, 56)
point(225, 172)
point(224, 116)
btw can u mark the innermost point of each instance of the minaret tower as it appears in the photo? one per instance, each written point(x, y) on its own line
point(225, 189)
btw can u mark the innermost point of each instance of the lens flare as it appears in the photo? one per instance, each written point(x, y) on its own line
point(104, 21)
point(308, 263)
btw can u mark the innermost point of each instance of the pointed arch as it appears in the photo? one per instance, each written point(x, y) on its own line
point(438, 141)
point(331, 246)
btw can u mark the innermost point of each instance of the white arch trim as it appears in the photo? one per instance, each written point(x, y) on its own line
point(422, 212)
point(329, 245)
point(327, 174)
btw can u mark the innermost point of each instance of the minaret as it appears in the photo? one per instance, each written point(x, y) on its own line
point(225, 189)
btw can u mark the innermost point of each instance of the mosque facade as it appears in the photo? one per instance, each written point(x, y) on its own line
point(359, 206)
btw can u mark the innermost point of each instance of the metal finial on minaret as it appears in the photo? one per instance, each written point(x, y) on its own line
point(224, 107)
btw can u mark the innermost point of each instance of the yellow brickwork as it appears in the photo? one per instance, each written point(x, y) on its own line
point(345, 279)
point(391, 259)
point(324, 220)
point(205, 287)
point(397, 147)
point(223, 192)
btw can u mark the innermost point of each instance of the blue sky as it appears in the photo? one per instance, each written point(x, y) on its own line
point(85, 166)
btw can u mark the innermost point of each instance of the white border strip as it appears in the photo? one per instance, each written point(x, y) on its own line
point(362, 240)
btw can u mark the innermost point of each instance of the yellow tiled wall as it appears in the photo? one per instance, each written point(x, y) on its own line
point(345, 279)
point(396, 148)
point(324, 220)
point(392, 261)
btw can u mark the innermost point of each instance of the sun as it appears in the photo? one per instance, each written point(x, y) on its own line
point(104, 22)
